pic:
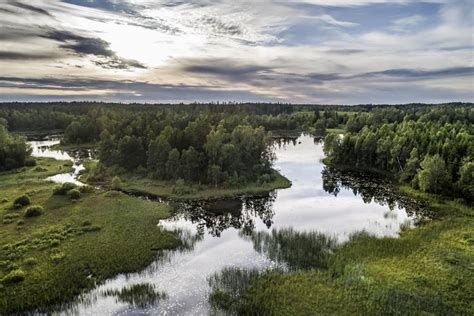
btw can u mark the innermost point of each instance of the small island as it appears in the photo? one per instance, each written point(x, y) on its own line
point(176, 158)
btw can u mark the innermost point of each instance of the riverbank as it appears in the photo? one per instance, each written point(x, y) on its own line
point(428, 269)
point(73, 244)
point(171, 190)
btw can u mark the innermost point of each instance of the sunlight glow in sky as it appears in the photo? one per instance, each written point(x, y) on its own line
point(315, 51)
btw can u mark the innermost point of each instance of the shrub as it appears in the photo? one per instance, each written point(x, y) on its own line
point(116, 183)
point(30, 262)
point(74, 194)
point(64, 189)
point(3, 200)
point(21, 201)
point(30, 162)
point(14, 276)
point(180, 188)
point(33, 211)
point(86, 189)
point(57, 257)
point(40, 169)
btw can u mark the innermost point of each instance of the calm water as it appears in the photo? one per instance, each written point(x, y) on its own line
point(42, 148)
point(319, 200)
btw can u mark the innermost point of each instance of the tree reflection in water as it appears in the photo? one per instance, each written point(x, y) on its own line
point(217, 216)
point(373, 189)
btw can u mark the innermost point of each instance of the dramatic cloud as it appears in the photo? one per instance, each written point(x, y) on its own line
point(30, 8)
point(318, 51)
point(91, 46)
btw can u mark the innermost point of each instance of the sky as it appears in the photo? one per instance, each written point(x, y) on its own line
point(298, 51)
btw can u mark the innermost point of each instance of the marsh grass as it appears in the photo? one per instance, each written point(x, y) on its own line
point(428, 270)
point(141, 295)
point(72, 246)
point(297, 250)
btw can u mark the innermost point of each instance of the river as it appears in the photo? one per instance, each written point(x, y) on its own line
point(319, 200)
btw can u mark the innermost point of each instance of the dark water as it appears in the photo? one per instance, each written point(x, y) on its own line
point(320, 200)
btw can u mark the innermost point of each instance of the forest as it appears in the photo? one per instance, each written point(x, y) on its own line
point(432, 150)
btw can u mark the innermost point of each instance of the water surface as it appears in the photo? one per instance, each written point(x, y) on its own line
point(319, 200)
point(42, 148)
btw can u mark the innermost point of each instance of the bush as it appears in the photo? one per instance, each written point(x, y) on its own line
point(180, 188)
point(14, 276)
point(21, 201)
point(30, 262)
point(86, 189)
point(34, 211)
point(64, 189)
point(116, 183)
point(3, 200)
point(30, 162)
point(40, 169)
point(74, 194)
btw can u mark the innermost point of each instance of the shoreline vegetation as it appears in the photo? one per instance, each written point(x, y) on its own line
point(70, 245)
point(179, 191)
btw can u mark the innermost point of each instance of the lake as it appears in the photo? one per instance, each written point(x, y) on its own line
point(218, 233)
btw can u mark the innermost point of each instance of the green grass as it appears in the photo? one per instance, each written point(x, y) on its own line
point(167, 189)
point(66, 147)
point(73, 245)
point(441, 204)
point(428, 270)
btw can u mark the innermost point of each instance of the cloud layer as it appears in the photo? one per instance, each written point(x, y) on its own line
point(316, 51)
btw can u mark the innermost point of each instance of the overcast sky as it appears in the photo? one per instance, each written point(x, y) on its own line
point(316, 51)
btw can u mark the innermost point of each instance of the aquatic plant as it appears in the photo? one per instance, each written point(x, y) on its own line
point(140, 295)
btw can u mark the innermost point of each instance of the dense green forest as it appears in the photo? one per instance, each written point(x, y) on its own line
point(14, 152)
point(197, 151)
point(431, 149)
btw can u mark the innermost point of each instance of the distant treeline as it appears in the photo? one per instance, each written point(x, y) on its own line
point(58, 115)
point(430, 148)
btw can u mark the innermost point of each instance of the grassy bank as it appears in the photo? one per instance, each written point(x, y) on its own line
point(72, 244)
point(428, 270)
point(169, 190)
point(67, 147)
point(185, 191)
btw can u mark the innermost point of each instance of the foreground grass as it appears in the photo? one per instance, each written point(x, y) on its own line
point(428, 270)
point(73, 245)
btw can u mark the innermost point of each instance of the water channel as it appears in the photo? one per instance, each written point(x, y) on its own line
point(320, 199)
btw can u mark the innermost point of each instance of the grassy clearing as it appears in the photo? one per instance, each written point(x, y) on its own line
point(428, 270)
point(72, 244)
